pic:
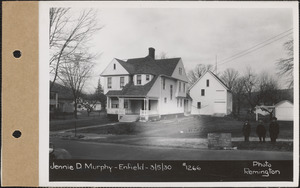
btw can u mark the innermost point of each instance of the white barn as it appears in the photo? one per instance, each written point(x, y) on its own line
point(284, 111)
point(210, 96)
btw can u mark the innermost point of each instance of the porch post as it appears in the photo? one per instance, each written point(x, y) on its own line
point(121, 103)
point(146, 108)
point(108, 102)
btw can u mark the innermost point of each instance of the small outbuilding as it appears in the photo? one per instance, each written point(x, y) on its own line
point(284, 111)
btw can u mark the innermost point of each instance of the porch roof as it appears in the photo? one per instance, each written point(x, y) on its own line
point(131, 90)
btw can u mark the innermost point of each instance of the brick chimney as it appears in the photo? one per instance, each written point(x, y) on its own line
point(152, 52)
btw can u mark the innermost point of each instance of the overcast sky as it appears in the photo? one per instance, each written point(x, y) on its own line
point(196, 35)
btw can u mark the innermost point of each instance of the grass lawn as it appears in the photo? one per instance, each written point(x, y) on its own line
point(191, 127)
point(82, 121)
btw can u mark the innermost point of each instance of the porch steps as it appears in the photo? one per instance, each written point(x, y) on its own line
point(129, 118)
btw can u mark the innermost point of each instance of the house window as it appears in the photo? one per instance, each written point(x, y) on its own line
point(198, 105)
point(177, 102)
point(147, 77)
point(114, 66)
point(114, 103)
point(138, 79)
point(165, 99)
point(179, 86)
point(180, 71)
point(164, 83)
point(202, 92)
point(207, 83)
point(171, 92)
point(125, 104)
point(109, 82)
point(180, 102)
point(121, 82)
point(183, 87)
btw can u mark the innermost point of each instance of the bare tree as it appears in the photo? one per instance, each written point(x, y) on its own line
point(68, 34)
point(75, 70)
point(238, 94)
point(250, 82)
point(88, 101)
point(267, 89)
point(198, 71)
point(162, 55)
point(286, 65)
point(229, 77)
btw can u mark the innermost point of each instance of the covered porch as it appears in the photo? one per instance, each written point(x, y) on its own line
point(144, 107)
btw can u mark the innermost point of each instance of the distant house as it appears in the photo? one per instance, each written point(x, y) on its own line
point(284, 111)
point(97, 106)
point(146, 87)
point(61, 99)
point(210, 96)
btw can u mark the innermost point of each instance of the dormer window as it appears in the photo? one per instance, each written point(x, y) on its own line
point(180, 71)
point(147, 77)
point(138, 79)
point(114, 66)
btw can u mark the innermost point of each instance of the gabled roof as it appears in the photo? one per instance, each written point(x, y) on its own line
point(215, 76)
point(132, 90)
point(63, 91)
point(148, 65)
point(281, 102)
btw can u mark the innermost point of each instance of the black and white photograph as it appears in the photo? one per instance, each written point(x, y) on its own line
point(171, 92)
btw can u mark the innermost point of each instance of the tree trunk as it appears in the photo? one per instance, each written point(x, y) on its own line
point(75, 109)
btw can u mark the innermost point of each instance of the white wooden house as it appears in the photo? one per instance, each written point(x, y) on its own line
point(284, 111)
point(146, 87)
point(210, 96)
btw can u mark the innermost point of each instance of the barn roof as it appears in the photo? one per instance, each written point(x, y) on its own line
point(215, 76)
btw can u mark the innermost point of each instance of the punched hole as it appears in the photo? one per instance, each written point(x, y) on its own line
point(17, 134)
point(17, 53)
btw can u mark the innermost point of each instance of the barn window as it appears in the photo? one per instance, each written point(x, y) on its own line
point(180, 71)
point(202, 92)
point(207, 83)
point(164, 83)
point(198, 105)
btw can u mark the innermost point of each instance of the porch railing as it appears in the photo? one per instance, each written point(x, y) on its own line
point(144, 113)
point(112, 110)
point(147, 112)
